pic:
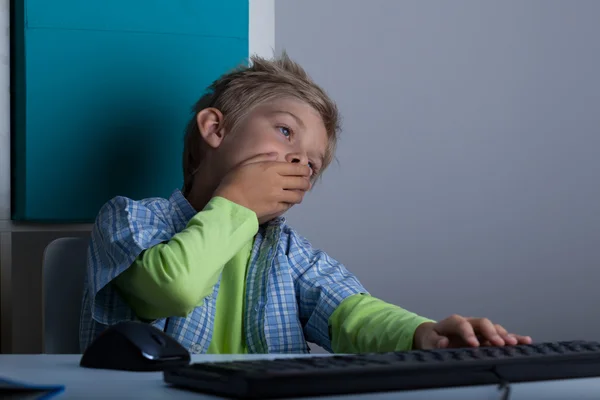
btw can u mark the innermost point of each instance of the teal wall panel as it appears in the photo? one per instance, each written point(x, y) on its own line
point(101, 95)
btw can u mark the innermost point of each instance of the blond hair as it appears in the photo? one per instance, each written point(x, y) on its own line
point(237, 93)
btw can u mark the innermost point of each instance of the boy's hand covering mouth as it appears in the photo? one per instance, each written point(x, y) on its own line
point(266, 186)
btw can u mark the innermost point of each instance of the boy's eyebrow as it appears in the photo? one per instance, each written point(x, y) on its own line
point(298, 120)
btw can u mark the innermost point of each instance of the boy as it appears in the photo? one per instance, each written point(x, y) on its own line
point(215, 265)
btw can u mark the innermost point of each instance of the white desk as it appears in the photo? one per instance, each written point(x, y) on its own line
point(84, 383)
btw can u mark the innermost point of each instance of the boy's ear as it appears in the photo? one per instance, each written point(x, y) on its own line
point(210, 125)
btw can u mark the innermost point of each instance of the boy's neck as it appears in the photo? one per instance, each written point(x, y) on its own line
point(202, 190)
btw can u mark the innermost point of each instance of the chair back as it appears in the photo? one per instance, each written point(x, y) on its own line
point(64, 268)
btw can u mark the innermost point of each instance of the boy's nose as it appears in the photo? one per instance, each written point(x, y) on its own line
point(297, 158)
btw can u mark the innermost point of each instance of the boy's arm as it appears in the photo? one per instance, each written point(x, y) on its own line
point(322, 284)
point(337, 312)
point(362, 323)
point(173, 277)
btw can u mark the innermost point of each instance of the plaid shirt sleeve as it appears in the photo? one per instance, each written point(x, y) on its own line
point(124, 228)
point(321, 284)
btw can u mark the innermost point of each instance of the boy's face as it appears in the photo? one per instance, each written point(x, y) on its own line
point(288, 127)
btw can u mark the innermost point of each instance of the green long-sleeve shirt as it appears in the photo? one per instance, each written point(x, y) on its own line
point(172, 278)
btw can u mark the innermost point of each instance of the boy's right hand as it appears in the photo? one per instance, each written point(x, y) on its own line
point(266, 186)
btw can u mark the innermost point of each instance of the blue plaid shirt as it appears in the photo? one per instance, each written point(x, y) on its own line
point(291, 288)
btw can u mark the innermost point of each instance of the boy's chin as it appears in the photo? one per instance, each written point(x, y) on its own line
point(271, 218)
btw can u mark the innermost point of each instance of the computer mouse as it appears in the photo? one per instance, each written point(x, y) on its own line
point(134, 346)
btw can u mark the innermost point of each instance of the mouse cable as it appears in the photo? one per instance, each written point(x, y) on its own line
point(504, 386)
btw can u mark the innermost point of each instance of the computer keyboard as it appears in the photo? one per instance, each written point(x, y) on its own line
point(397, 371)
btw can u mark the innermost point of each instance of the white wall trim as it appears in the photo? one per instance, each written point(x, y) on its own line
point(261, 34)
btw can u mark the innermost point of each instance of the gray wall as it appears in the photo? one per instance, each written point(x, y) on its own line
point(468, 176)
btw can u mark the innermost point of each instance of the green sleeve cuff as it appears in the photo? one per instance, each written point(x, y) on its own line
point(238, 214)
point(173, 278)
point(363, 324)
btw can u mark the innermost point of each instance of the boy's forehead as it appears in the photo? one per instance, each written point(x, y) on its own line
point(296, 107)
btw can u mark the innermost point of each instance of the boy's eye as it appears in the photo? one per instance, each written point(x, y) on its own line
point(285, 131)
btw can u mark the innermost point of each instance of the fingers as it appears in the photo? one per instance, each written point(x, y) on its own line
point(294, 189)
point(291, 197)
point(294, 169)
point(458, 326)
point(477, 332)
point(287, 201)
point(508, 339)
point(296, 183)
point(488, 331)
point(442, 342)
point(282, 167)
point(515, 340)
point(435, 341)
point(262, 157)
point(522, 339)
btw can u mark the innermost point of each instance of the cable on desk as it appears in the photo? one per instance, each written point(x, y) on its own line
point(504, 386)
